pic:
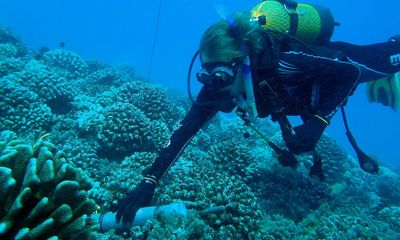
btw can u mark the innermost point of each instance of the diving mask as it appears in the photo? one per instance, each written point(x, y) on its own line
point(217, 74)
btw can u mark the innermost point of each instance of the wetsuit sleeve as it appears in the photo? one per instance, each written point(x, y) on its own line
point(201, 111)
point(379, 57)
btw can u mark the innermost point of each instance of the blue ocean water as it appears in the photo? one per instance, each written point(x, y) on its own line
point(123, 32)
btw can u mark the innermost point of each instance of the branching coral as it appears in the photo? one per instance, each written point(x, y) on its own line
point(42, 195)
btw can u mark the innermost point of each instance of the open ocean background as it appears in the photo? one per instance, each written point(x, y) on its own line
point(122, 32)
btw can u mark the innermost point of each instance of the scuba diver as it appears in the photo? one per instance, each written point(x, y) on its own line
point(260, 72)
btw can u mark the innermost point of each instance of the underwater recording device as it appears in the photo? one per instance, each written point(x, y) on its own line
point(108, 221)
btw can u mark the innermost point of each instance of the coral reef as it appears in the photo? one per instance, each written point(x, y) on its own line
point(53, 90)
point(173, 227)
point(284, 191)
point(69, 64)
point(8, 50)
point(277, 227)
point(101, 80)
point(124, 176)
point(387, 187)
point(10, 65)
point(42, 195)
point(21, 109)
point(231, 157)
point(391, 216)
point(8, 37)
point(152, 100)
point(334, 159)
point(325, 224)
point(127, 130)
point(201, 188)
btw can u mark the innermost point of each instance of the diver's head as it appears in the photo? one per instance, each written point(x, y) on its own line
point(223, 47)
point(221, 76)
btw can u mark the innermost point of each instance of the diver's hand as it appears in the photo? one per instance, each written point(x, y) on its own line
point(306, 136)
point(140, 197)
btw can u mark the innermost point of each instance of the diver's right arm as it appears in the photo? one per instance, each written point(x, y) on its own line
point(141, 196)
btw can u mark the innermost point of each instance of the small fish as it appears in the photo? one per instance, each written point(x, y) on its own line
point(62, 44)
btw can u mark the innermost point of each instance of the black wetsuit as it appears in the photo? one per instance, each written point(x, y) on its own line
point(301, 84)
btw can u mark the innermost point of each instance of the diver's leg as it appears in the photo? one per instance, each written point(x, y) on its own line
point(381, 57)
point(316, 170)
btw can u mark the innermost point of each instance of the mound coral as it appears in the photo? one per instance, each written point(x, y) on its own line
point(21, 109)
point(124, 177)
point(152, 100)
point(69, 64)
point(43, 196)
point(84, 155)
point(8, 50)
point(325, 224)
point(100, 81)
point(10, 65)
point(201, 188)
point(388, 187)
point(391, 216)
point(276, 227)
point(335, 160)
point(53, 89)
point(174, 227)
point(8, 37)
point(231, 157)
point(284, 191)
point(127, 130)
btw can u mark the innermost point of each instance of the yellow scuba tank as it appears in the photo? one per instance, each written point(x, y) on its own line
point(308, 22)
